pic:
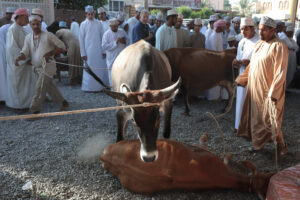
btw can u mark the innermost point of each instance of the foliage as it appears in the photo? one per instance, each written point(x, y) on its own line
point(244, 7)
point(196, 14)
point(206, 12)
point(155, 11)
point(186, 11)
point(227, 5)
point(79, 4)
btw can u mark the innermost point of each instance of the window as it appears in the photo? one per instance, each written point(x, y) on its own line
point(264, 5)
point(116, 6)
point(270, 6)
point(286, 5)
point(280, 5)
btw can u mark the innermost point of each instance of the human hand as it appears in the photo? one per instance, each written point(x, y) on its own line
point(245, 62)
point(236, 62)
point(123, 40)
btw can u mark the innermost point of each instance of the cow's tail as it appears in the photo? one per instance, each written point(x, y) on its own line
point(90, 71)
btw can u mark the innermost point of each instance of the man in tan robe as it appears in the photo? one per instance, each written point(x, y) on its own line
point(265, 77)
point(181, 33)
point(73, 52)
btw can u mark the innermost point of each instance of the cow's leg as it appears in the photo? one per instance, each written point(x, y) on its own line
point(167, 110)
point(186, 100)
point(231, 91)
point(122, 118)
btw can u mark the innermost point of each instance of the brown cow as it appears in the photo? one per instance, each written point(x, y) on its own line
point(202, 69)
point(177, 167)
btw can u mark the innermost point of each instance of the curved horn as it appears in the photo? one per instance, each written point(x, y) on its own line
point(116, 95)
point(167, 92)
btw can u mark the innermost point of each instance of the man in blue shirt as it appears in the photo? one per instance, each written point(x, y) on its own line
point(141, 30)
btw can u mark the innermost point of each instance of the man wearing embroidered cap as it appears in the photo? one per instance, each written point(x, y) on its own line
point(182, 33)
point(215, 42)
point(90, 40)
point(152, 23)
point(212, 20)
point(20, 80)
point(73, 52)
point(197, 39)
point(133, 21)
point(113, 42)
point(38, 12)
point(236, 25)
point(8, 15)
point(265, 77)
point(122, 24)
point(40, 47)
point(103, 18)
point(159, 20)
point(166, 35)
point(231, 42)
point(228, 31)
point(244, 53)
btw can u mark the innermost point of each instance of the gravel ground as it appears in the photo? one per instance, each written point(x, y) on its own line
point(59, 155)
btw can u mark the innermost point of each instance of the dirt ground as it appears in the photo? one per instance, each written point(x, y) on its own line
point(59, 155)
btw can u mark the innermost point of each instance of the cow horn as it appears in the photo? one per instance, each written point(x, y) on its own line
point(167, 92)
point(116, 95)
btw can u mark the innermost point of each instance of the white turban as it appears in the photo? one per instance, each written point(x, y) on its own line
point(213, 18)
point(172, 12)
point(34, 17)
point(227, 18)
point(113, 22)
point(152, 17)
point(37, 11)
point(198, 21)
point(89, 9)
point(268, 22)
point(236, 19)
point(247, 22)
point(10, 10)
point(231, 38)
point(121, 16)
point(101, 10)
point(159, 16)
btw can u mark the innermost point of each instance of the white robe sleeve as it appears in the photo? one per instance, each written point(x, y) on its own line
point(26, 47)
point(108, 44)
point(158, 43)
point(82, 40)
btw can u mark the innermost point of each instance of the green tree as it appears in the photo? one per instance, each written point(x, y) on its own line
point(79, 4)
point(186, 11)
point(196, 14)
point(244, 7)
point(155, 11)
point(206, 12)
point(227, 5)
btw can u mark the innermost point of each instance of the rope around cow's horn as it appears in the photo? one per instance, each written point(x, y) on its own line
point(222, 134)
point(79, 66)
point(32, 116)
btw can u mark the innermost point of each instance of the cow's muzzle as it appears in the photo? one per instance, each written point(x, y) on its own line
point(150, 156)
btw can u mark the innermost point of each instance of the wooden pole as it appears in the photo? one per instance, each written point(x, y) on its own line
point(294, 8)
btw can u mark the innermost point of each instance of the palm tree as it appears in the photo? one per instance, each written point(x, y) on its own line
point(244, 7)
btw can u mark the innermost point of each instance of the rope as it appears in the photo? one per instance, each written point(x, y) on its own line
point(222, 134)
point(32, 116)
point(79, 66)
point(270, 109)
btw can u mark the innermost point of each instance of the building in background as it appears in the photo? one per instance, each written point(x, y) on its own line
point(46, 5)
point(276, 9)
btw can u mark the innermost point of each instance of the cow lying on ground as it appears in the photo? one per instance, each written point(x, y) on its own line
point(142, 74)
point(177, 167)
point(202, 69)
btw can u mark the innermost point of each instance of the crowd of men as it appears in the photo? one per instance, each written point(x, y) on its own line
point(27, 65)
